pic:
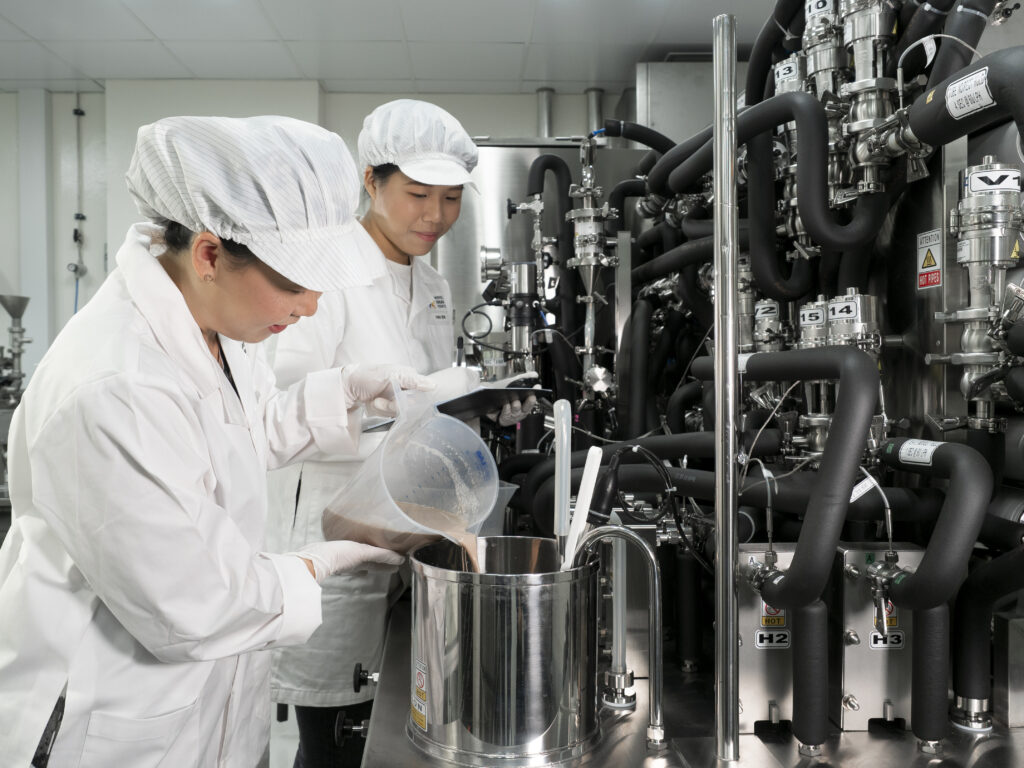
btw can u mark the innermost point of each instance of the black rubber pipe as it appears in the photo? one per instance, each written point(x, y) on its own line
point(657, 179)
point(690, 252)
point(519, 464)
point(992, 447)
point(1000, 534)
point(693, 298)
point(812, 171)
point(928, 18)
point(771, 36)
point(679, 401)
point(694, 228)
point(688, 613)
point(565, 365)
point(972, 641)
point(945, 559)
point(928, 698)
point(967, 22)
point(672, 326)
point(639, 133)
point(617, 200)
point(929, 116)
point(840, 463)
point(810, 673)
point(640, 349)
point(543, 164)
point(646, 163)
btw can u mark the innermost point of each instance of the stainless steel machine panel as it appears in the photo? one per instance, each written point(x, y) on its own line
point(766, 658)
point(1008, 669)
point(868, 670)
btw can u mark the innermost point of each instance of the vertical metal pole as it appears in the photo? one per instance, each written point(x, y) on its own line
point(726, 391)
point(545, 97)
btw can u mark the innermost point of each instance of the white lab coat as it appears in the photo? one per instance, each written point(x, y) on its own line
point(132, 573)
point(370, 324)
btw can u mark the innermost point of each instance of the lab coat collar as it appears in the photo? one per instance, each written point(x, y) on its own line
point(162, 305)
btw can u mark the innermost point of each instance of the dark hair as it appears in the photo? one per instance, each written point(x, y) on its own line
point(178, 237)
point(383, 172)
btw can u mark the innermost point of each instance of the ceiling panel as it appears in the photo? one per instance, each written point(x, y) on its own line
point(56, 85)
point(28, 60)
point(204, 20)
point(249, 60)
point(579, 61)
point(691, 24)
point(74, 19)
point(367, 86)
point(338, 60)
point(599, 21)
point(465, 61)
point(335, 19)
point(480, 21)
point(119, 58)
point(467, 86)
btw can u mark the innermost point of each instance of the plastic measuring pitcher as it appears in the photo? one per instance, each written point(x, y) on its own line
point(432, 476)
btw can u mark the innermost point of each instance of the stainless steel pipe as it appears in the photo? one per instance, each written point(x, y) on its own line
point(726, 390)
point(656, 726)
point(545, 97)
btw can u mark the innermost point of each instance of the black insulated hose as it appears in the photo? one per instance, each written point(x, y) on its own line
point(944, 564)
point(840, 463)
point(972, 642)
point(967, 22)
point(928, 698)
point(975, 102)
point(812, 170)
point(927, 19)
point(640, 349)
point(679, 401)
point(810, 673)
point(617, 200)
point(641, 134)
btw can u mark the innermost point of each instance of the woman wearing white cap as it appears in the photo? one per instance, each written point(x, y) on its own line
point(417, 160)
point(133, 583)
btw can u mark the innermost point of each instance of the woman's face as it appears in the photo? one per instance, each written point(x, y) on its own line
point(408, 216)
point(252, 302)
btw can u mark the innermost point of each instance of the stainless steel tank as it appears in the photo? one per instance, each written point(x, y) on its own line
point(503, 662)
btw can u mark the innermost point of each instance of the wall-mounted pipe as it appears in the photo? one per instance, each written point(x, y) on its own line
point(944, 564)
point(595, 109)
point(928, 698)
point(967, 23)
point(641, 134)
point(840, 462)
point(640, 338)
point(545, 99)
point(810, 675)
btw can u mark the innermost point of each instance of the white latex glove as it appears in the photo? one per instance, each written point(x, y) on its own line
point(514, 412)
point(329, 558)
point(372, 383)
point(503, 383)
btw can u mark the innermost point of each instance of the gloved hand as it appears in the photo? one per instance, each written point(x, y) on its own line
point(327, 558)
point(372, 383)
point(514, 412)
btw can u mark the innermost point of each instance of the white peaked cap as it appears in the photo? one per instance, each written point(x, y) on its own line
point(284, 188)
point(426, 143)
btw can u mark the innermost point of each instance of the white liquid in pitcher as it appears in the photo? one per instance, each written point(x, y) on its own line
point(452, 526)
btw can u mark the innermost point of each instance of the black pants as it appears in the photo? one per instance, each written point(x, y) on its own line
point(316, 737)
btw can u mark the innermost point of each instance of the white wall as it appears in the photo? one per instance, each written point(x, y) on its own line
point(134, 103)
point(10, 275)
point(64, 171)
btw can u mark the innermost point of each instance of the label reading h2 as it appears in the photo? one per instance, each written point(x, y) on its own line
point(771, 639)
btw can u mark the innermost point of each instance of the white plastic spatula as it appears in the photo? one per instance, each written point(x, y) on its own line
point(583, 497)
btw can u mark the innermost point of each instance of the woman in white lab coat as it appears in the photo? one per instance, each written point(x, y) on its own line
point(133, 584)
point(417, 161)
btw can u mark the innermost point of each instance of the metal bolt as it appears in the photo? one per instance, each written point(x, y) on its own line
point(850, 637)
point(930, 747)
point(850, 702)
point(852, 572)
point(810, 750)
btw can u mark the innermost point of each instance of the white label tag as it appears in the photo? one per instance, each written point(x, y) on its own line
point(893, 640)
point(861, 488)
point(918, 452)
point(929, 50)
point(741, 362)
point(969, 94)
point(771, 639)
point(768, 309)
point(844, 310)
point(814, 316)
point(929, 259)
point(818, 7)
point(994, 181)
point(784, 72)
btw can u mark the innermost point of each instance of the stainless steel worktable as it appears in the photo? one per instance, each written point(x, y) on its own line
point(623, 735)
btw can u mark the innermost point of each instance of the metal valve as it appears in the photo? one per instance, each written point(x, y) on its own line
point(345, 728)
point(880, 576)
point(361, 677)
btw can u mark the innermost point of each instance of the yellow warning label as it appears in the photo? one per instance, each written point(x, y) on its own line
point(1016, 250)
point(421, 694)
point(773, 621)
point(929, 260)
point(892, 621)
point(929, 99)
point(419, 718)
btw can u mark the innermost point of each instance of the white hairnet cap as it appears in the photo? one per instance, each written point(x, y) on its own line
point(426, 143)
point(284, 188)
